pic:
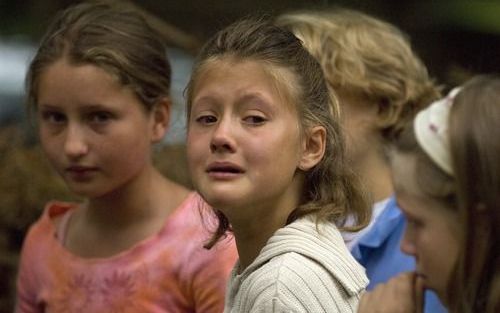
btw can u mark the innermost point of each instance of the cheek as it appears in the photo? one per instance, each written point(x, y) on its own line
point(51, 148)
point(196, 147)
point(438, 248)
point(258, 150)
point(280, 156)
point(451, 244)
point(111, 152)
point(273, 145)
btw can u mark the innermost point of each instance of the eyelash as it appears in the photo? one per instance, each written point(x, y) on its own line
point(251, 119)
point(255, 119)
point(206, 119)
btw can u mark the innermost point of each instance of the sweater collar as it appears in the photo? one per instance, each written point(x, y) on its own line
point(321, 242)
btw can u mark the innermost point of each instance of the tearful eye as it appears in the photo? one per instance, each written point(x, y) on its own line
point(255, 119)
point(206, 119)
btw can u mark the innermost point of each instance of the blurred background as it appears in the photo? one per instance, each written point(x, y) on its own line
point(454, 38)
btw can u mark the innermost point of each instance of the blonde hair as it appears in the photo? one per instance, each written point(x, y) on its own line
point(368, 57)
point(330, 191)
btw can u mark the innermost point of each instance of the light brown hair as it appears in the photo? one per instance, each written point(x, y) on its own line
point(475, 149)
point(115, 39)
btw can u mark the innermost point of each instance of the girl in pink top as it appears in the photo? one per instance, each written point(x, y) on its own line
point(98, 88)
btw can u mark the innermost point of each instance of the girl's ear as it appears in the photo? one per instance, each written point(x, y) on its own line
point(314, 146)
point(161, 118)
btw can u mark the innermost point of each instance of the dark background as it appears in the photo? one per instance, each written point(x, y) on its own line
point(453, 37)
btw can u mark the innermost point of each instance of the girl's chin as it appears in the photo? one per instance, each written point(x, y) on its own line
point(226, 206)
point(222, 199)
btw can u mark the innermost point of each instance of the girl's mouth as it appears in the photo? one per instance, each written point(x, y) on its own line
point(224, 170)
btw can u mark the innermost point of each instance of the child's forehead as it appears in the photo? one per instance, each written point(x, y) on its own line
point(231, 61)
point(284, 80)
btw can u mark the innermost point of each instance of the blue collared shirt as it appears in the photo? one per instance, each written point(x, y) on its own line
point(379, 252)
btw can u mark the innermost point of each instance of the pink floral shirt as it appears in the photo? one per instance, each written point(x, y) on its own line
point(168, 272)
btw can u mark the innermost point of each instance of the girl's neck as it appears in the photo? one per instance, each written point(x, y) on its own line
point(254, 222)
point(111, 224)
point(146, 196)
point(375, 174)
point(251, 240)
point(252, 231)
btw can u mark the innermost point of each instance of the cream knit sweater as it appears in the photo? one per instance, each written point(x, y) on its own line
point(299, 270)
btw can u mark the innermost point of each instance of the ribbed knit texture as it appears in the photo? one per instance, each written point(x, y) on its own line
point(299, 270)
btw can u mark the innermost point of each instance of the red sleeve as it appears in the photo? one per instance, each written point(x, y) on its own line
point(27, 282)
point(210, 276)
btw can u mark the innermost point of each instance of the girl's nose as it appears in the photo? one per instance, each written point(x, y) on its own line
point(223, 137)
point(75, 144)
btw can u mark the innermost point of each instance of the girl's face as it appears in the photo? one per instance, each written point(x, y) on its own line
point(94, 131)
point(244, 140)
point(432, 232)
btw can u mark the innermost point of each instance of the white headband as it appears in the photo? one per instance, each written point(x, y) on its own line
point(431, 130)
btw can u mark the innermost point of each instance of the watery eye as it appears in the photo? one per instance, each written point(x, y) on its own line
point(206, 119)
point(254, 119)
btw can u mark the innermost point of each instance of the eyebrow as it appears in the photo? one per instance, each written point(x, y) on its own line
point(84, 108)
point(48, 106)
point(207, 99)
point(254, 98)
point(95, 107)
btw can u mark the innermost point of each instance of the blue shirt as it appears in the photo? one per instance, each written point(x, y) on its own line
point(379, 252)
